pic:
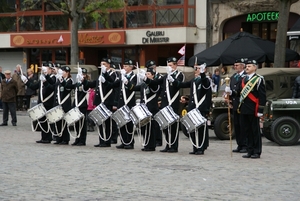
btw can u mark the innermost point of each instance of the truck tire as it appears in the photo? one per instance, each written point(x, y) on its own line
point(221, 127)
point(267, 134)
point(285, 131)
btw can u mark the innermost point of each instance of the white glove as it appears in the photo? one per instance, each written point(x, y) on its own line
point(124, 79)
point(101, 79)
point(123, 72)
point(170, 78)
point(60, 72)
point(45, 70)
point(169, 70)
point(142, 74)
point(103, 69)
point(24, 79)
point(228, 90)
point(259, 114)
point(79, 78)
point(42, 78)
point(202, 68)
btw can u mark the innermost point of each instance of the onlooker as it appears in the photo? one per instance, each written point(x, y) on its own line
point(216, 80)
point(21, 87)
point(9, 90)
point(224, 70)
point(91, 106)
point(296, 88)
point(29, 93)
point(2, 76)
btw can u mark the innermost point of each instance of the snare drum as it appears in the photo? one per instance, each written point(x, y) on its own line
point(193, 120)
point(166, 117)
point(73, 116)
point(55, 114)
point(37, 112)
point(140, 115)
point(121, 116)
point(100, 114)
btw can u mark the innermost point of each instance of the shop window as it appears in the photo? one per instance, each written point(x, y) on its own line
point(7, 6)
point(31, 23)
point(60, 57)
point(8, 24)
point(116, 56)
point(46, 56)
point(31, 5)
point(264, 31)
point(130, 53)
point(168, 17)
point(139, 18)
point(56, 22)
point(273, 31)
point(255, 29)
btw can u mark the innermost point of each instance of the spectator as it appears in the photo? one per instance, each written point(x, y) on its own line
point(2, 76)
point(9, 90)
point(29, 93)
point(224, 70)
point(91, 106)
point(215, 80)
point(21, 87)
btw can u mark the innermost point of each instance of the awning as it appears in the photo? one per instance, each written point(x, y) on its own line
point(294, 32)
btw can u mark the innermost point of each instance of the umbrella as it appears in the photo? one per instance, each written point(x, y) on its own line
point(240, 45)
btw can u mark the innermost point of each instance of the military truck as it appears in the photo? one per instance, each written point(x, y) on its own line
point(279, 82)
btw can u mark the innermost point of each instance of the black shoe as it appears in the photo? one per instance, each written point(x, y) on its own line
point(148, 149)
point(121, 146)
point(199, 152)
point(255, 156)
point(14, 124)
point(172, 150)
point(158, 144)
point(57, 142)
point(192, 152)
point(43, 141)
point(80, 144)
point(104, 145)
point(97, 145)
point(74, 143)
point(3, 124)
point(64, 143)
point(246, 156)
point(243, 151)
point(113, 142)
point(128, 147)
point(236, 150)
point(164, 150)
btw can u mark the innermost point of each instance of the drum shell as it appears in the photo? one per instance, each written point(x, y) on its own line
point(140, 115)
point(55, 114)
point(193, 120)
point(73, 115)
point(100, 114)
point(122, 116)
point(37, 112)
point(166, 117)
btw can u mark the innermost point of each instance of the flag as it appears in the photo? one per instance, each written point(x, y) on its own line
point(60, 40)
point(182, 50)
point(181, 61)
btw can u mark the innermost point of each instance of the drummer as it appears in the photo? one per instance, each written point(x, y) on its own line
point(200, 93)
point(127, 97)
point(170, 96)
point(149, 96)
point(45, 96)
point(80, 102)
point(104, 85)
point(63, 98)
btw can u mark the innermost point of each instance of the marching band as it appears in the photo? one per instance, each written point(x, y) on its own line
point(125, 101)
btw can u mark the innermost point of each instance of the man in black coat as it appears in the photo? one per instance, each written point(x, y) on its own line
point(252, 94)
point(235, 81)
point(170, 96)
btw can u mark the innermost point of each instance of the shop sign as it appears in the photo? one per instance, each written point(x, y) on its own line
point(263, 16)
point(64, 39)
point(155, 37)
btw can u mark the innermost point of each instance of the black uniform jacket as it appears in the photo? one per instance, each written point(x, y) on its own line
point(235, 81)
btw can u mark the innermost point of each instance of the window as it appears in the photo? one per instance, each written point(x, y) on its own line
point(31, 5)
point(169, 2)
point(7, 6)
point(269, 85)
point(86, 22)
point(8, 24)
point(139, 18)
point(31, 23)
point(169, 16)
point(56, 22)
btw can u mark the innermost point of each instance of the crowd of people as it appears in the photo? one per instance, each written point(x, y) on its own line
point(114, 93)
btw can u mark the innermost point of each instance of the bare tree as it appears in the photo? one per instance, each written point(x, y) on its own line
point(98, 9)
point(281, 36)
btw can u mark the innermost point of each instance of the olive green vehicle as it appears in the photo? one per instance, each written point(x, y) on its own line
point(281, 115)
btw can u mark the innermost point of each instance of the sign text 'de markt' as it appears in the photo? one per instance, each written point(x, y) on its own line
point(263, 16)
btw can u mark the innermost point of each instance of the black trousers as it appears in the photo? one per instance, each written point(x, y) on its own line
point(149, 134)
point(11, 107)
point(202, 132)
point(65, 133)
point(81, 124)
point(106, 129)
point(125, 134)
point(44, 125)
point(250, 124)
point(174, 136)
point(20, 102)
point(240, 135)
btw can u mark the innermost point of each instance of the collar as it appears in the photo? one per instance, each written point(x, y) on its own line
point(174, 72)
point(241, 73)
point(251, 75)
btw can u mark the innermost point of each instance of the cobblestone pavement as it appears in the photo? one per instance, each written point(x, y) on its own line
point(31, 171)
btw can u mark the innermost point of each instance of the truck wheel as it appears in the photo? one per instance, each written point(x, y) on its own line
point(285, 131)
point(267, 134)
point(221, 127)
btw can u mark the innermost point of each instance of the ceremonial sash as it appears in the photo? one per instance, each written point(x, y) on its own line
point(246, 91)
